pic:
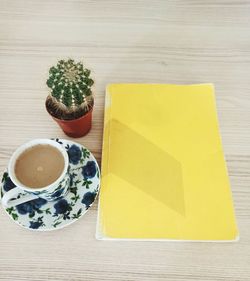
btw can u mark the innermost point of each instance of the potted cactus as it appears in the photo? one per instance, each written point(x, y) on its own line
point(70, 102)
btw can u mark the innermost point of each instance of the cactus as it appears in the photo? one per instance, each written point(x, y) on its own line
point(71, 96)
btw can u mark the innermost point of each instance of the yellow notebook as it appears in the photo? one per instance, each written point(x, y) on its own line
point(163, 170)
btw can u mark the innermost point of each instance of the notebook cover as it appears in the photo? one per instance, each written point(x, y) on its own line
point(164, 176)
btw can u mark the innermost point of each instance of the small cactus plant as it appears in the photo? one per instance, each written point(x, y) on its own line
point(71, 96)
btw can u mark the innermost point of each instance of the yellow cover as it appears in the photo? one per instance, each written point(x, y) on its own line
point(163, 169)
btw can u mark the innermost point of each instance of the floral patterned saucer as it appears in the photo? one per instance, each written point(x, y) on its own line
point(43, 215)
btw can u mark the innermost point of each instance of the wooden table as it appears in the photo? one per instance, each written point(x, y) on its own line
point(124, 41)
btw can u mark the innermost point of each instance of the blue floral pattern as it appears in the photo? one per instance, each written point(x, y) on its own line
point(58, 193)
point(61, 207)
point(24, 208)
point(89, 170)
point(75, 154)
point(88, 199)
point(8, 184)
point(37, 223)
point(40, 214)
point(39, 202)
point(30, 206)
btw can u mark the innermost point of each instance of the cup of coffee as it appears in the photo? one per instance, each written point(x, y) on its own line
point(38, 168)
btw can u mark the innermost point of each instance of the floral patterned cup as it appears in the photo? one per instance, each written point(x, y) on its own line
point(21, 193)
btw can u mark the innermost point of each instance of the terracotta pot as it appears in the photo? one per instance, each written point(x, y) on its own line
point(76, 128)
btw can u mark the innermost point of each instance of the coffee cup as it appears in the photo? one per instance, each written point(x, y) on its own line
point(28, 174)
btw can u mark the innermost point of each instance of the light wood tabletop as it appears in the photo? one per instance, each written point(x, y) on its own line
point(179, 42)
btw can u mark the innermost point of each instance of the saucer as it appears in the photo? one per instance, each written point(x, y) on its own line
point(42, 215)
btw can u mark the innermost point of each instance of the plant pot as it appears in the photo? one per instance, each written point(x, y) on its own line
point(76, 128)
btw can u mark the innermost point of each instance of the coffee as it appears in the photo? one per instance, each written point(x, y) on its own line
point(39, 166)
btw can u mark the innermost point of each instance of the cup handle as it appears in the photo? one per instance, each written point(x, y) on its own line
point(7, 202)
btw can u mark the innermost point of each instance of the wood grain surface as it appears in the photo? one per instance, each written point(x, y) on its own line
point(189, 41)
